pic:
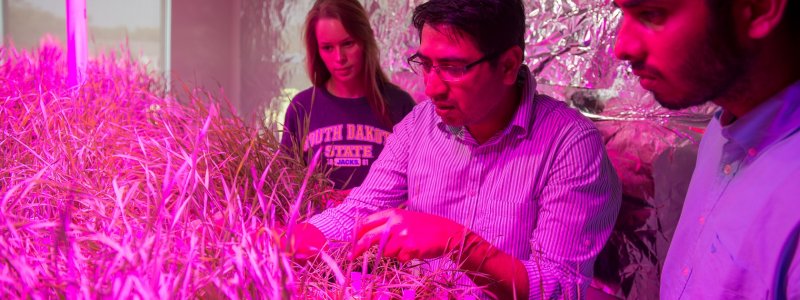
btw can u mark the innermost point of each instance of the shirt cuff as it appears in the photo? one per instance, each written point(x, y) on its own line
point(546, 279)
point(337, 230)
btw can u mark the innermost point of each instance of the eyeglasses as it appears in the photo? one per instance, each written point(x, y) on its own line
point(447, 72)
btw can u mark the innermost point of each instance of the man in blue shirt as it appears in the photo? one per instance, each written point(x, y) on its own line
point(737, 236)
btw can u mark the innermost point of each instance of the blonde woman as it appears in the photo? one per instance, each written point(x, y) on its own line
point(349, 111)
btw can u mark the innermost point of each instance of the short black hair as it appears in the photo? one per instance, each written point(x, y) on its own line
point(494, 25)
point(791, 15)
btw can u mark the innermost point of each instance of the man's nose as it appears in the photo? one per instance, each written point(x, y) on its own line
point(629, 45)
point(435, 87)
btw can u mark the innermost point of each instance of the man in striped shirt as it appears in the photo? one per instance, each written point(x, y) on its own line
point(495, 178)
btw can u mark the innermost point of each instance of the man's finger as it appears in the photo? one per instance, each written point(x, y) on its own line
point(367, 239)
point(374, 220)
point(393, 245)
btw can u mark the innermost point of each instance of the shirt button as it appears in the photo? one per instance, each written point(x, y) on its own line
point(701, 220)
point(685, 271)
point(727, 169)
point(752, 152)
point(472, 193)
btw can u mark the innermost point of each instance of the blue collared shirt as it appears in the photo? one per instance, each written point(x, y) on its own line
point(742, 205)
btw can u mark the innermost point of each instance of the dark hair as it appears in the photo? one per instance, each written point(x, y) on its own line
point(724, 8)
point(355, 22)
point(792, 16)
point(494, 25)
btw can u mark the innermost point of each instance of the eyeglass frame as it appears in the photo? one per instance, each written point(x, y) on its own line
point(438, 69)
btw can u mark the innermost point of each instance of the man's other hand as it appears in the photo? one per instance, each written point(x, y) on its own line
point(303, 243)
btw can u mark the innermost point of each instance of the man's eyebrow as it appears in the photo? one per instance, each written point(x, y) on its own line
point(420, 55)
point(453, 60)
point(443, 59)
point(629, 3)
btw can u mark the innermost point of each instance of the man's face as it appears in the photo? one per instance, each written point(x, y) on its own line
point(471, 101)
point(681, 52)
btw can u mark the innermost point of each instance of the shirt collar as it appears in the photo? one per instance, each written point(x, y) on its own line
point(768, 123)
point(522, 120)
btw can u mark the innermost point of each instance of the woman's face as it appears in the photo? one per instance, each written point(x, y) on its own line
point(341, 53)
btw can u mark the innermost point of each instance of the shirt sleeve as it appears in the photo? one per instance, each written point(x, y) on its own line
point(386, 186)
point(786, 280)
point(793, 281)
point(792, 276)
point(578, 209)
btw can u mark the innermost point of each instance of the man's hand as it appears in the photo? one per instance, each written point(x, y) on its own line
point(333, 198)
point(304, 242)
point(407, 235)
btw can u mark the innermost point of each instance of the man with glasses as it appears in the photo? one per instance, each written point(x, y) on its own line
point(495, 178)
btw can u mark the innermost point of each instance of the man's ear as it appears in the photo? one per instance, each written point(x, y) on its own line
point(509, 63)
point(761, 17)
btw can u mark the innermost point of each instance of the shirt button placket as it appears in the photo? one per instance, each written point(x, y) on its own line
point(474, 184)
point(474, 180)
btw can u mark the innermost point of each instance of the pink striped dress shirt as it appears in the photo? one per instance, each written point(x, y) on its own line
point(542, 189)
